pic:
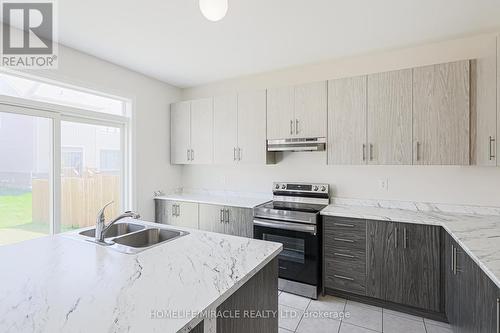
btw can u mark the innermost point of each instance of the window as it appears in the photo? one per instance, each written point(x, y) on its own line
point(14, 86)
point(63, 163)
point(110, 160)
point(71, 160)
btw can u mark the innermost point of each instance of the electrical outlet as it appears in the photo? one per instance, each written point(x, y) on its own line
point(384, 184)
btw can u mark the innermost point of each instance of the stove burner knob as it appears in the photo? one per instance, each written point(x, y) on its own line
point(277, 186)
point(283, 187)
point(315, 188)
point(323, 188)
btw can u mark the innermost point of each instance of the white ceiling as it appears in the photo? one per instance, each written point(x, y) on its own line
point(171, 41)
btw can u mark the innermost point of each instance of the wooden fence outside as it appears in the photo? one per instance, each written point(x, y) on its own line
point(81, 199)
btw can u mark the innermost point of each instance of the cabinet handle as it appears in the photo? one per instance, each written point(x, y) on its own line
point(418, 151)
point(291, 127)
point(221, 215)
point(371, 152)
point(364, 152)
point(344, 240)
point(178, 210)
point(343, 277)
point(492, 152)
point(405, 238)
point(296, 126)
point(239, 154)
point(192, 154)
point(234, 154)
point(452, 258)
point(344, 225)
point(343, 255)
point(188, 156)
point(396, 237)
point(227, 215)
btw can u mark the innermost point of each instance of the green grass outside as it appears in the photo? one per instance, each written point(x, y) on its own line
point(16, 214)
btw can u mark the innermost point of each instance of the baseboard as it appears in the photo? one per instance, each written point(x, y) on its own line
point(439, 316)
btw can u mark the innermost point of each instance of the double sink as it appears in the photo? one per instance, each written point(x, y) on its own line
point(132, 238)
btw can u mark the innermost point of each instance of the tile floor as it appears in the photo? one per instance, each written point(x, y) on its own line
point(336, 315)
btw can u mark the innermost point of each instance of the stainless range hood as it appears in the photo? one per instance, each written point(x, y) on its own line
point(297, 144)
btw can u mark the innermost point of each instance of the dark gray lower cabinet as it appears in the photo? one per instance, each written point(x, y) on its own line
point(260, 293)
point(403, 264)
point(471, 296)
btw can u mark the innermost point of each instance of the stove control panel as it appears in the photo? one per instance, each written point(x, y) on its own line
point(300, 187)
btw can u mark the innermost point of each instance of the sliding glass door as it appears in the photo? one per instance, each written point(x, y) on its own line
point(58, 167)
point(25, 174)
point(91, 172)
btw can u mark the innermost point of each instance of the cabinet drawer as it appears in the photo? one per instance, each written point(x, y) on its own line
point(339, 224)
point(352, 257)
point(345, 266)
point(344, 277)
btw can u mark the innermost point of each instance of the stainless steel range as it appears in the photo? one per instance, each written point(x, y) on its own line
point(293, 219)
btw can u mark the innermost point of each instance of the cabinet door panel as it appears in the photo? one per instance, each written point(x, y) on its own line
point(240, 222)
point(180, 122)
point(441, 114)
point(225, 129)
point(421, 279)
point(451, 293)
point(188, 214)
point(389, 118)
point(347, 121)
point(280, 113)
point(202, 131)
point(211, 218)
point(310, 110)
point(497, 144)
point(382, 261)
point(252, 127)
point(484, 109)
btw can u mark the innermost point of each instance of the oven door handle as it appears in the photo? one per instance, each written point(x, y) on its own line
point(311, 229)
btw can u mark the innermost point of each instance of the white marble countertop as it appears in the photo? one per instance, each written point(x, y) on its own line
point(232, 200)
point(60, 284)
point(479, 235)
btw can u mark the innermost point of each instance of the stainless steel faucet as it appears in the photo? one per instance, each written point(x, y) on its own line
point(101, 227)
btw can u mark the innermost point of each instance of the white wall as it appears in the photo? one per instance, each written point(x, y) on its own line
point(151, 126)
point(460, 185)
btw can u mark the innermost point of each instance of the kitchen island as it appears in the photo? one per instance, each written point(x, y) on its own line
point(64, 284)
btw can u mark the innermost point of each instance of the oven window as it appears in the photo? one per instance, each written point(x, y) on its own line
point(293, 248)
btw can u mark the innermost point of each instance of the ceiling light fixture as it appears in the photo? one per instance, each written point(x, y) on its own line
point(214, 10)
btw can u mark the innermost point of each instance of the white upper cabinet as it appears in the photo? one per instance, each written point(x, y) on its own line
point(180, 129)
point(191, 126)
point(252, 128)
point(202, 131)
point(280, 113)
point(347, 121)
point(297, 112)
point(240, 128)
point(225, 129)
point(441, 114)
point(311, 110)
point(389, 118)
